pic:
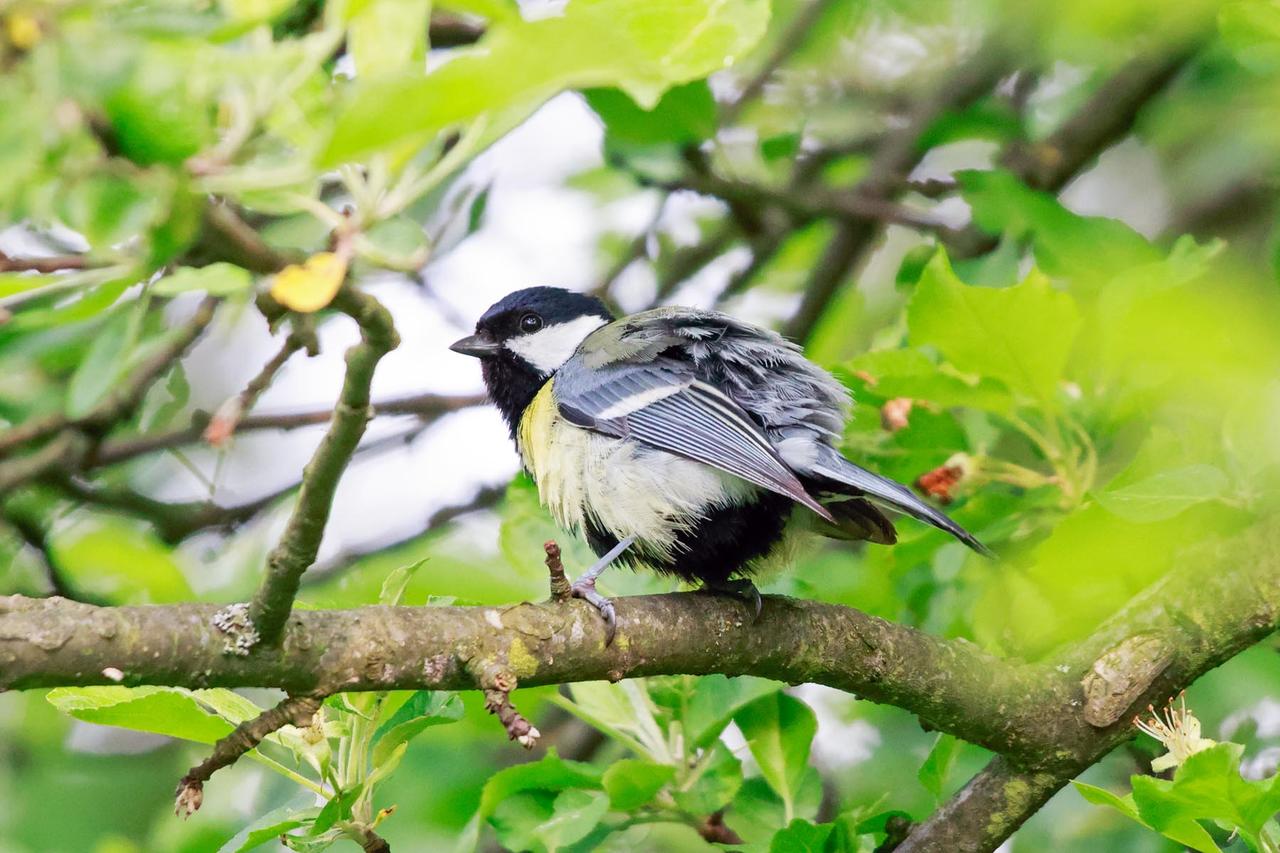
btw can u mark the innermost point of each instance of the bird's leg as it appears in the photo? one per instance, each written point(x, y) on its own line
point(740, 588)
point(585, 588)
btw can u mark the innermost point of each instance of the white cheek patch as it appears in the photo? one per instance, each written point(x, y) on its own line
point(549, 348)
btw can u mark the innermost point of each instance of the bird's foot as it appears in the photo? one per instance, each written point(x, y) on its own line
point(742, 589)
point(585, 588)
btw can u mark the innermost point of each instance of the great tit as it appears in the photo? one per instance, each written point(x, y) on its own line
point(679, 439)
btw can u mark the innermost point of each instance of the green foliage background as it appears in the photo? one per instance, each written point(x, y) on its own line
point(1109, 397)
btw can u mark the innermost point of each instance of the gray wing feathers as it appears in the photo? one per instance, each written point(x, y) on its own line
point(831, 465)
point(704, 425)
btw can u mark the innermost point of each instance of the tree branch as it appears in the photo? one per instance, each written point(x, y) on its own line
point(1053, 717)
point(1222, 599)
point(896, 154)
point(300, 543)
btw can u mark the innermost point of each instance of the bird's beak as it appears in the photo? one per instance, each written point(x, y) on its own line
point(479, 345)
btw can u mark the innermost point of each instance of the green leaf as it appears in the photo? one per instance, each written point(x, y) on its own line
point(1251, 30)
point(1103, 797)
point(779, 730)
point(551, 773)
point(170, 711)
point(393, 587)
point(102, 366)
point(910, 373)
point(641, 48)
point(801, 836)
point(1020, 335)
point(1208, 786)
point(632, 782)
point(220, 279)
point(574, 813)
point(426, 708)
point(715, 700)
point(937, 765)
point(685, 114)
point(273, 824)
point(389, 35)
point(1066, 243)
point(1165, 494)
point(108, 557)
point(718, 781)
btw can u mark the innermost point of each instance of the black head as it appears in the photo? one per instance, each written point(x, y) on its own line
point(525, 337)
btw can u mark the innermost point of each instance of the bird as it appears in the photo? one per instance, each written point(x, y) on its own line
point(679, 439)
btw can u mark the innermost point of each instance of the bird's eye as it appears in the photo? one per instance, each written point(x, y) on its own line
point(530, 323)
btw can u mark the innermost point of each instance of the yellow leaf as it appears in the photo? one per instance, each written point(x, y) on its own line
point(23, 30)
point(312, 285)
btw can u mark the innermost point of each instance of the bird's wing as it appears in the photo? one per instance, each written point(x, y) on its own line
point(661, 402)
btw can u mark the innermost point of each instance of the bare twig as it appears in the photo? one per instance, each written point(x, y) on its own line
point(227, 418)
point(297, 548)
point(427, 407)
point(42, 265)
point(497, 684)
point(292, 711)
point(560, 588)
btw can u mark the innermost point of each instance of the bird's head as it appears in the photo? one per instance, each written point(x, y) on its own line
point(539, 327)
point(526, 337)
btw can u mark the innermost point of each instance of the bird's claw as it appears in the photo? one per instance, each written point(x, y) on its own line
point(742, 589)
point(585, 588)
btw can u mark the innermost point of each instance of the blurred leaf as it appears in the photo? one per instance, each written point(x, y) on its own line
point(310, 286)
point(168, 711)
point(253, 10)
point(642, 48)
point(910, 373)
point(685, 114)
point(1251, 29)
point(102, 365)
point(109, 558)
point(631, 782)
point(219, 279)
point(779, 730)
point(1166, 494)
point(165, 401)
point(426, 708)
point(388, 35)
point(1066, 243)
point(393, 587)
point(1020, 335)
point(801, 836)
point(937, 765)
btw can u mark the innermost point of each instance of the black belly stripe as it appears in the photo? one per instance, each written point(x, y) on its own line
point(717, 547)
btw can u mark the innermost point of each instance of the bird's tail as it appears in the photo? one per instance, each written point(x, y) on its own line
point(833, 466)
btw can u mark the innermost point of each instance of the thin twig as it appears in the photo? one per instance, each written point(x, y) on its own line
point(298, 547)
point(227, 418)
point(426, 407)
point(292, 711)
point(42, 265)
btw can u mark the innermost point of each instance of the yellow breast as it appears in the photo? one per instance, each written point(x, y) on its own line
point(652, 496)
